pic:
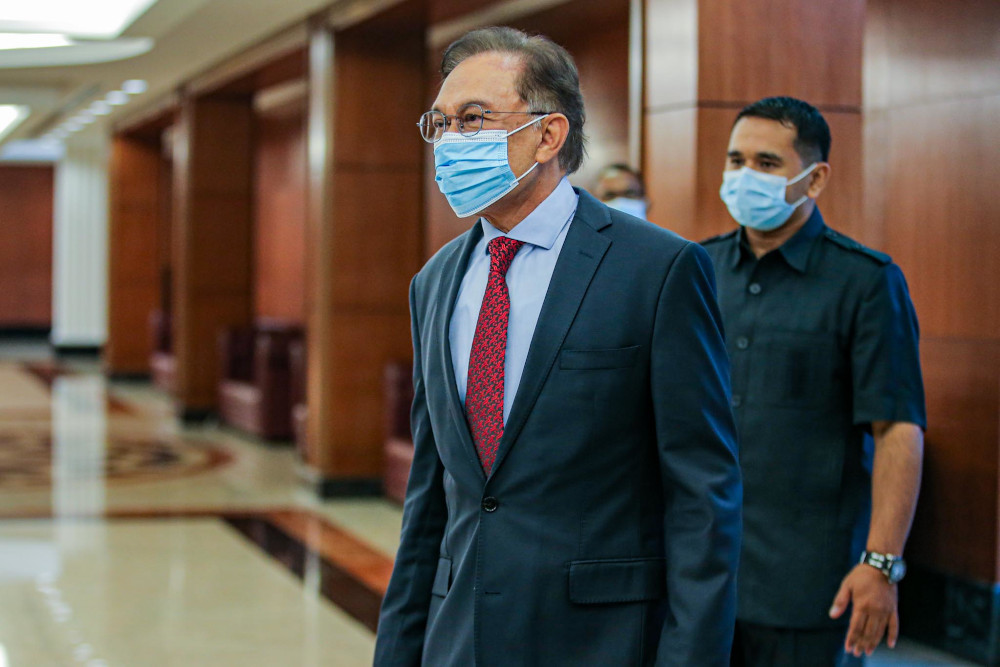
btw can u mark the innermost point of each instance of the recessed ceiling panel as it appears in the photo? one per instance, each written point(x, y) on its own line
point(78, 53)
point(104, 19)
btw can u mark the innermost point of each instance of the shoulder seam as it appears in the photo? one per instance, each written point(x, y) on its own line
point(849, 244)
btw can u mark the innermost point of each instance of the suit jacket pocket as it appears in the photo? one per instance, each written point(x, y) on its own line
point(616, 580)
point(442, 578)
point(621, 357)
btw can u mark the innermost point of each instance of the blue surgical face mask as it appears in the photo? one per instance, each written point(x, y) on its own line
point(757, 200)
point(474, 172)
point(630, 205)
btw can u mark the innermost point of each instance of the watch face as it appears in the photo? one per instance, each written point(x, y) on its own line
point(897, 571)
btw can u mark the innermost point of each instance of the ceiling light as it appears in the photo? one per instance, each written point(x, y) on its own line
point(11, 116)
point(134, 86)
point(99, 20)
point(14, 40)
point(100, 108)
point(116, 97)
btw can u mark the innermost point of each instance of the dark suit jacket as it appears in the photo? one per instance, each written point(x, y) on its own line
point(608, 532)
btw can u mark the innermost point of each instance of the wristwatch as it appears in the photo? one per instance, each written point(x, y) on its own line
point(893, 567)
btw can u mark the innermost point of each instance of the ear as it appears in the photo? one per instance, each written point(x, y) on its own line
point(555, 130)
point(818, 179)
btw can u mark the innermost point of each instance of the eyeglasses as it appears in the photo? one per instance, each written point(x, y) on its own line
point(433, 124)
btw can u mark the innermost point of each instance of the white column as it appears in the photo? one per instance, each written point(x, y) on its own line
point(80, 240)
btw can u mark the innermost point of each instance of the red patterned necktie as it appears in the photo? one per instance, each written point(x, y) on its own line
point(484, 392)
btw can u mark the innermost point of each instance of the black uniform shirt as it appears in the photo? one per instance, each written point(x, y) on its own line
point(823, 341)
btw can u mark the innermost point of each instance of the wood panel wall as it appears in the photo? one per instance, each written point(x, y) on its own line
point(932, 100)
point(135, 262)
point(364, 233)
point(26, 196)
point(280, 216)
point(596, 33)
point(212, 239)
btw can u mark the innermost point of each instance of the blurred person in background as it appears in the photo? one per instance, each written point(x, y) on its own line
point(620, 187)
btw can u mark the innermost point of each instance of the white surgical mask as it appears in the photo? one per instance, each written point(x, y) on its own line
point(757, 200)
point(630, 205)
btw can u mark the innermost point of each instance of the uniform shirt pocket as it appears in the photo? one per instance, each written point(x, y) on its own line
point(798, 370)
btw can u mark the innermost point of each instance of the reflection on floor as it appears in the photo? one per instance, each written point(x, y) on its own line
point(128, 540)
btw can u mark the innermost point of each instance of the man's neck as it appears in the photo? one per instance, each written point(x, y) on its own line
point(762, 243)
point(512, 209)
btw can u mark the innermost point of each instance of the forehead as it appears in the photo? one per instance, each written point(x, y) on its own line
point(617, 180)
point(761, 135)
point(486, 78)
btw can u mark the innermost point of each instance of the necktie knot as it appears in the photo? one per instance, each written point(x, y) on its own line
point(502, 250)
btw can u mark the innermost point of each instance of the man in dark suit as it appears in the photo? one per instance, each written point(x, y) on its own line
point(574, 497)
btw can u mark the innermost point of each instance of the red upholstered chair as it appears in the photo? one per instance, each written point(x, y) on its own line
point(255, 387)
point(300, 413)
point(162, 363)
point(398, 395)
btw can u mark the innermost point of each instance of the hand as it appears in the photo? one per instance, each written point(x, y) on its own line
point(874, 602)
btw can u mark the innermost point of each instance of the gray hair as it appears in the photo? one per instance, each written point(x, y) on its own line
point(548, 82)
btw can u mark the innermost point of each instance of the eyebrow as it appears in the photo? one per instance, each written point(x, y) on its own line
point(483, 104)
point(774, 157)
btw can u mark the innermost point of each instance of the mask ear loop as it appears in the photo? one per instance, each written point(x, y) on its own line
point(532, 122)
point(798, 178)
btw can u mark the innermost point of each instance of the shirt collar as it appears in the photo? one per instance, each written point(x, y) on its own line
point(542, 226)
point(795, 250)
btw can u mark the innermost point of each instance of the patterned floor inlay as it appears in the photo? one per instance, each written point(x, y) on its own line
point(30, 459)
point(49, 371)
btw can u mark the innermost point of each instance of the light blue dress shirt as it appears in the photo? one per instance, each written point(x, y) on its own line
point(543, 233)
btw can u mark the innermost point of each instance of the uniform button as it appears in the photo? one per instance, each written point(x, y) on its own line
point(742, 343)
point(754, 288)
point(490, 504)
point(736, 401)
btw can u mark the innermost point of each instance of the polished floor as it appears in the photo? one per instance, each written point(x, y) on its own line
point(127, 540)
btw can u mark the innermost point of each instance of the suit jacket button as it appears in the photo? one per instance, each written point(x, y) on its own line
point(490, 504)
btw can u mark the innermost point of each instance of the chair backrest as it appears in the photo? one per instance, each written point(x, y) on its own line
point(398, 396)
point(236, 354)
point(299, 370)
point(160, 333)
point(272, 360)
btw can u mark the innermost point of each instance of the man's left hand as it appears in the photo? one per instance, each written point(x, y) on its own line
point(874, 602)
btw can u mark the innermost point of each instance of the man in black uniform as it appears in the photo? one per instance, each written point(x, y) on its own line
point(823, 341)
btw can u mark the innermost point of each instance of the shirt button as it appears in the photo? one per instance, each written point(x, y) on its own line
point(736, 401)
point(490, 504)
point(754, 288)
point(742, 343)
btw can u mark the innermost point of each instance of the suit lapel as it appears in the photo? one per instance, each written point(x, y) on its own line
point(453, 272)
point(581, 254)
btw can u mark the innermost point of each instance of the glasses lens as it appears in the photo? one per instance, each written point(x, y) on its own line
point(432, 125)
point(470, 119)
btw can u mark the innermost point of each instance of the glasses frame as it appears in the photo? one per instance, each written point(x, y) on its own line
point(484, 113)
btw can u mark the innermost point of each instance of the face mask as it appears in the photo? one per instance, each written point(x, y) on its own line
point(636, 207)
point(474, 172)
point(757, 200)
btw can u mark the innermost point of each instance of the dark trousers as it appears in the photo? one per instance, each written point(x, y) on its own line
point(764, 646)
